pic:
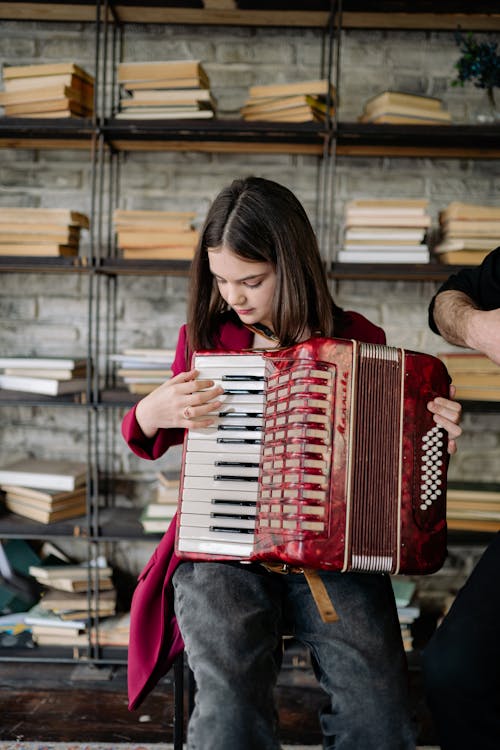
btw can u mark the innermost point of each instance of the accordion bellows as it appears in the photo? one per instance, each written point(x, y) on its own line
point(324, 455)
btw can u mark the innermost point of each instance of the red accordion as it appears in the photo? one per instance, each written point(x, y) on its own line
point(324, 455)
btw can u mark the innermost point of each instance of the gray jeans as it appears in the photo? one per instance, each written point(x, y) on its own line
point(232, 618)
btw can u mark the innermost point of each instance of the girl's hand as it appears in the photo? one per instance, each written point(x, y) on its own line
point(182, 402)
point(447, 414)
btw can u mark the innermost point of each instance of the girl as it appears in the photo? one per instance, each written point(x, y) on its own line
point(258, 282)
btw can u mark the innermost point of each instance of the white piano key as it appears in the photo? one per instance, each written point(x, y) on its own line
point(200, 507)
point(207, 522)
point(213, 484)
point(224, 364)
point(211, 470)
point(207, 496)
point(214, 432)
point(217, 549)
point(245, 537)
point(252, 450)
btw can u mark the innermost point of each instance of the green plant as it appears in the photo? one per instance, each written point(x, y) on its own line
point(479, 63)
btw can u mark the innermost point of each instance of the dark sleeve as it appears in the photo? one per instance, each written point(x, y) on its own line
point(480, 283)
point(156, 446)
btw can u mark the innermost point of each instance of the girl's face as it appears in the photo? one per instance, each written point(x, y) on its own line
point(247, 286)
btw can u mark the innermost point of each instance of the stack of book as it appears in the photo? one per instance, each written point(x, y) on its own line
point(301, 101)
point(49, 629)
point(174, 89)
point(143, 370)
point(155, 235)
point(68, 604)
point(41, 231)
point(45, 490)
point(157, 515)
point(399, 108)
point(475, 376)
point(407, 607)
point(472, 509)
point(385, 231)
point(50, 376)
point(468, 233)
point(79, 577)
point(47, 90)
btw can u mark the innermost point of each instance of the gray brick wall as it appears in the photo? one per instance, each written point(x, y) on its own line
point(47, 314)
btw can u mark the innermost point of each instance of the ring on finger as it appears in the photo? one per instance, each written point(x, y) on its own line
point(187, 412)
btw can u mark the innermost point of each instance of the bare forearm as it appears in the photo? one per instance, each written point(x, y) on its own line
point(460, 322)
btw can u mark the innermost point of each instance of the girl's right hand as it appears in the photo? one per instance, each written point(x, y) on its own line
point(182, 402)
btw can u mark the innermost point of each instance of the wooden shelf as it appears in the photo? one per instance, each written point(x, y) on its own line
point(33, 132)
point(38, 264)
point(392, 271)
point(451, 141)
point(357, 14)
point(215, 136)
point(119, 266)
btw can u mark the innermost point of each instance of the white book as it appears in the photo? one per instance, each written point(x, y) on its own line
point(37, 363)
point(45, 386)
point(49, 474)
point(419, 249)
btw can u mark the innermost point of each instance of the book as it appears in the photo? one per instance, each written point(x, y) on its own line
point(403, 99)
point(149, 219)
point(173, 97)
point(40, 216)
point(39, 615)
point(43, 93)
point(44, 386)
point(159, 253)
point(44, 498)
point(477, 393)
point(75, 572)
point(384, 112)
point(165, 114)
point(278, 104)
point(38, 363)
point(10, 72)
point(159, 108)
point(471, 227)
point(386, 248)
point(390, 118)
point(41, 373)
point(477, 379)
point(383, 234)
point(78, 81)
point(317, 87)
point(163, 69)
point(458, 210)
point(457, 362)
point(146, 238)
point(468, 244)
point(38, 249)
point(418, 205)
point(69, 604)
point(49, 107)
point(462, 257)
point(72, 509)
point(56, 474)
point(385, 220)
point(195, 83)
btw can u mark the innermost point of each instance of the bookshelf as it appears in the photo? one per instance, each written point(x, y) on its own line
point(107, 140)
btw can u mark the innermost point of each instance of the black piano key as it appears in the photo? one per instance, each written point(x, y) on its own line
point(239, 427)
point(231, 531)
point(236, 516)
point(259, 378)
point(248, 441)
point(244, 464)
point(241, 414)
point(241, 503)
point(225, 478)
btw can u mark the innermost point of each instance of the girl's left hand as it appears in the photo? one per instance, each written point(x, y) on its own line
point(447, 414)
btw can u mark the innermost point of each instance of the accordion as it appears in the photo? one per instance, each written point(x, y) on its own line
point(323, 455)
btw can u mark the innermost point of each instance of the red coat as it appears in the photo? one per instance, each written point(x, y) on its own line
point(155, 639)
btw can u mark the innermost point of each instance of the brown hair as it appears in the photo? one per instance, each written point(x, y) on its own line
point(260, 220)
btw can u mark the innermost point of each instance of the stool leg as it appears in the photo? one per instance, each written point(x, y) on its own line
point(179, 702)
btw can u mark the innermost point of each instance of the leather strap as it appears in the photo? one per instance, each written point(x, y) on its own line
point(321, 596)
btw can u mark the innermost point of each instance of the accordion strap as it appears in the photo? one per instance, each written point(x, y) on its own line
point(321, 596)
point(317, 587)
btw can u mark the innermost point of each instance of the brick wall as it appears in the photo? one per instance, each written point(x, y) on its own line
point(47, 314)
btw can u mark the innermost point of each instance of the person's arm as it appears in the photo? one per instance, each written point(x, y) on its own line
point(460, 321)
